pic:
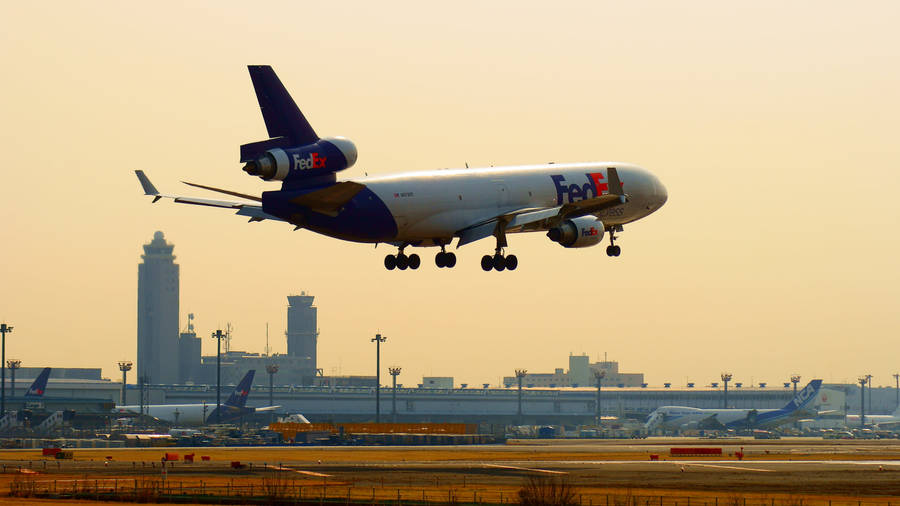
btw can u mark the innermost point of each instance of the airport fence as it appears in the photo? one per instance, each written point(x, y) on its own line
point(281, 491)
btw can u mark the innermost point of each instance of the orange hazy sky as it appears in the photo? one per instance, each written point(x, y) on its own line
point(774, 126)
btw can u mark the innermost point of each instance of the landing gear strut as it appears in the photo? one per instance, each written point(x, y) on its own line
point(613, 250)
point(499, 262)
point(401, 261)
point(444, 259)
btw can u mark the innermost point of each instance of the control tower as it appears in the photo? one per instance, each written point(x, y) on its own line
point(302, 329)
point(157, 332)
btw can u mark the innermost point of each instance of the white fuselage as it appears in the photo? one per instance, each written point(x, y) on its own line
point(439, 203)
point(186, 414)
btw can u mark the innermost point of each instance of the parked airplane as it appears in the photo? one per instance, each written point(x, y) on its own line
point(35, 392)
point(682, 417)
point(879, 420)
point(197, 414)
point(39, 385)
point(575, 204)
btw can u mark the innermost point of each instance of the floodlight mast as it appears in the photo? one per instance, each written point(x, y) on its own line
point(520, 375)
point(4, 329)
point(726, 377)
point(395, 371)
point(13, 364)
point(378, 339)
point(124, 366)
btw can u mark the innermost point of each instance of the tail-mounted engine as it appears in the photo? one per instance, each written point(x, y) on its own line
point(578, 232)
point(270, 160)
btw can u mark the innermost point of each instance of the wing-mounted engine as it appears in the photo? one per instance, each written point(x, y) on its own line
point(578, 232)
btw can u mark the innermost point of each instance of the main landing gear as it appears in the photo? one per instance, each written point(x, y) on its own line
point(499, 262)
point(401, 261)
point(613, 250)
point(444, 259)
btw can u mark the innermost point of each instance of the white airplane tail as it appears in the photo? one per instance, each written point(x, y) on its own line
point(10, 421)
point(51, 422)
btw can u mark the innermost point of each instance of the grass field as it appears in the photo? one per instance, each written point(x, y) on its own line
point(599, 473)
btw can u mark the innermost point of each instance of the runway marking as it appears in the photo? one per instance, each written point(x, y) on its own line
point(546, 471)
point(732, 467)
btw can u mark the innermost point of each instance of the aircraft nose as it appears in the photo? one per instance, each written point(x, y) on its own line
point(662, 195)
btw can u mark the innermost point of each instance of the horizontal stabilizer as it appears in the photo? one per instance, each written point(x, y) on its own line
point(330, 200)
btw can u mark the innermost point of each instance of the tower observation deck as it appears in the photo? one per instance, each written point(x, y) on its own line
point(302, 327)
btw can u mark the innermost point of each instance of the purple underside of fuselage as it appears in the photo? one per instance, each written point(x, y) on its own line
point(364, 219)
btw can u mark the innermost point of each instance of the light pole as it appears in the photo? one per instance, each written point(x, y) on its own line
point(869, 389)
point(125, 366)
point(520, 375)
point(13, 364)
point(378, 339)
point(394, 372)
point(599, 375)
point(218, 335)
point(4, 329)
point(897, 390)
point(862, 400)
point(726, 377)
point(142, 382)
point(795, 378)
point(272, 369)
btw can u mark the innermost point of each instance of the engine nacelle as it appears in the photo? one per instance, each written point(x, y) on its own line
point(578, 232)
point(325, 156)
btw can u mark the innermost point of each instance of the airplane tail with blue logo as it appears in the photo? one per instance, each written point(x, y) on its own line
point(804, 397)
point(293, 153)
point(40, 384)
point(238, 398)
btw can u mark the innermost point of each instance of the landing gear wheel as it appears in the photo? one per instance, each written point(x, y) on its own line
point(487, 262)
point(414, 261)
point(617, 250)
point(402, 261)
point(499, 262)
point(512, 262)
point(450, 260)
point(610, 251)
point(390, 262)
point(441, 260)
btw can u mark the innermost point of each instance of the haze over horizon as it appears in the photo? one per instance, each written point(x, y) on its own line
point(773, 126)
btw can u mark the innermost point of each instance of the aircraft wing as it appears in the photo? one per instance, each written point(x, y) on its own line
point(545, 218)
point(254, 211)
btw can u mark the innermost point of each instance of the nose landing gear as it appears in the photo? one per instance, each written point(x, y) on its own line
point(444, 259)
point(612, 250)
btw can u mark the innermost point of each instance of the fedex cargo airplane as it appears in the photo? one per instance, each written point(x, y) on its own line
point(683, 417)
point(37, 388)
point(198, 414)
point(575, 204)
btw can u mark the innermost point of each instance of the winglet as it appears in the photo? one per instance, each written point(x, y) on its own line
point(149, 189)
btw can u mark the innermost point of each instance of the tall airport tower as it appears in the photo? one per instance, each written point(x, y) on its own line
point(157, 356)
point(302, 333)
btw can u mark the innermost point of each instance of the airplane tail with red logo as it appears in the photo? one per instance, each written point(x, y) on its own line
point(238, 398)
point(294, 153)
point(40, 384)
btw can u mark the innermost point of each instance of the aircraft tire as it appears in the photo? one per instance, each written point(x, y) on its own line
point(610, 251)
point(499, 262)
point(617, 250)
point(440, 259)
point(487, 263)
point(402, 262)
point(512, 262)
point(450, 260)
point(414, 261)
point(390, 262)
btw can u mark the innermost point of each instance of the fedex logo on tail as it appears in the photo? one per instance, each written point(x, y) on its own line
point(568, 193)
point(313, 161)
